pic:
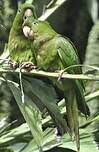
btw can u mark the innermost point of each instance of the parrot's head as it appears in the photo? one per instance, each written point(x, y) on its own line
point(33, 28)
point(24, 11)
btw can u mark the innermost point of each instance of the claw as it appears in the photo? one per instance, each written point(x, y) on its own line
point(13, 64)
point(28, 66)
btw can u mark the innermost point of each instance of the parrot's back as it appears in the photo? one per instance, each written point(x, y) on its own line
point(59, 53)
point(68, 56)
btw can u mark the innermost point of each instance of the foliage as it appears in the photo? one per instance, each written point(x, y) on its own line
point(41, 114)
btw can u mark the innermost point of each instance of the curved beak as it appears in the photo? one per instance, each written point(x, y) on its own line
point(28, 12)
point(27, 32)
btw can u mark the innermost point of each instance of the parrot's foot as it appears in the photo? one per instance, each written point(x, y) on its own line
point(13, 64)
point(28, 66)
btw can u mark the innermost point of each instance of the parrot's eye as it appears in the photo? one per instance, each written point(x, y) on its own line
point(19, 10)
point(25, 17)
point(35, 23)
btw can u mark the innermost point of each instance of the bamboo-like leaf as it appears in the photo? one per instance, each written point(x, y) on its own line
point(93, 9)
point(30, 112)
point(5, 55)
point(49, 142)
point(49, 11)
point(93, 119)
point(8, 137)
point(86, 141)
point(6, 150)
point(92, 95)
point(47, 97)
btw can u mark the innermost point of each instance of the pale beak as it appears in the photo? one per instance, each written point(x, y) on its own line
point(28, 32)
point(28, 12)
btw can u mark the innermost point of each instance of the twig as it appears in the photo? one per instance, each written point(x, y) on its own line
point(54, 74)
point(21, 85)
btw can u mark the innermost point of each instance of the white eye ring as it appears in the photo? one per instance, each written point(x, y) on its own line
point(35, 23)
point(24, 17)
point(19, 10)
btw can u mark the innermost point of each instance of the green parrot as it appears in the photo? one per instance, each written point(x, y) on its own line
point(21, 53)
point(53, 52)
point(17, 43)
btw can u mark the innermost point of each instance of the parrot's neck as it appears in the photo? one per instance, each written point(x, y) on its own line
point(42, 39)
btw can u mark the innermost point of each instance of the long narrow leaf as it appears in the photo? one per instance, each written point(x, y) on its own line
point(30, 112)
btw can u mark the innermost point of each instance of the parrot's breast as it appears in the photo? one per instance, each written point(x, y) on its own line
point(20, 50)
point(47, 57)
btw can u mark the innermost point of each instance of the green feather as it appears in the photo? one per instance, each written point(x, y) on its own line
point(18, 45)
point(54, 52)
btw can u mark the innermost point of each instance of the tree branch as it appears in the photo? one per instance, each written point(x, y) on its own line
point(51, 10)
point(53, 74)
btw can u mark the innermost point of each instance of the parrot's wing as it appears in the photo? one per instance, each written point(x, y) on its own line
point(45, 96)
point(68, 57)
point(68, 54)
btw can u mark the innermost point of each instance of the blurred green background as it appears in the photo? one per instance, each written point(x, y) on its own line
point(75, 19)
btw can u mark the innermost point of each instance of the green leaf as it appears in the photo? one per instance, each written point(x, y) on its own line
point(49, 142)
point(6, 150)
point(87, 143)
point(52, 10)
point(30, 112)
point(47, 97)
point(8, 137)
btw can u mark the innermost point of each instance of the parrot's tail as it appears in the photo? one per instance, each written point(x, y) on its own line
point(82, 105)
